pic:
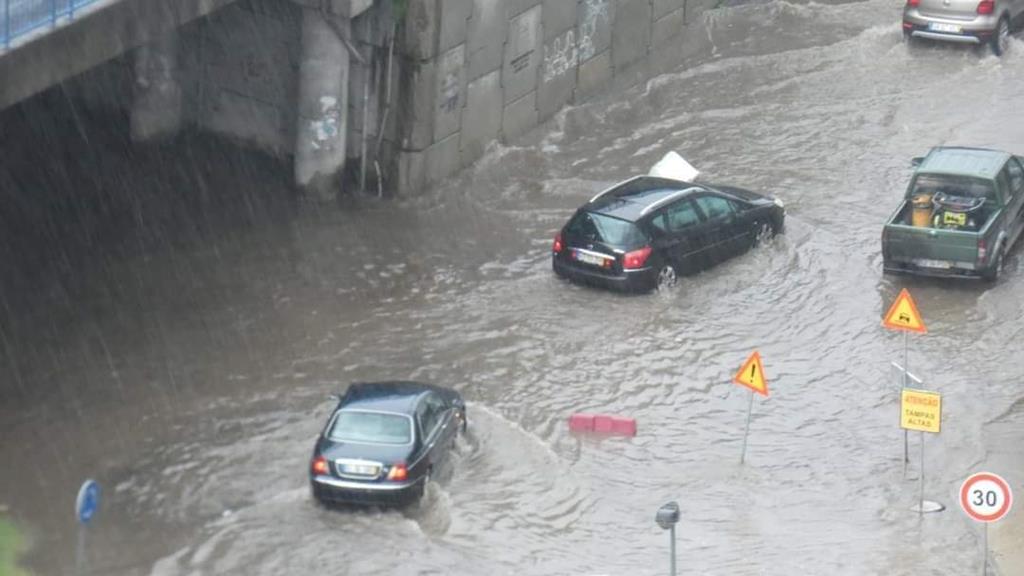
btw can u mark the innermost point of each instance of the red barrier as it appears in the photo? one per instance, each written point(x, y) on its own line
point(581, 422)
point(602, 424)
point(624, 426)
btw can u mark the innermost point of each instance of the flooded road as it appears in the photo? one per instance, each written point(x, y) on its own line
point(185, 362)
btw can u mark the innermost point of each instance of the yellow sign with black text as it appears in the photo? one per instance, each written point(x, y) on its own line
point(920, 410)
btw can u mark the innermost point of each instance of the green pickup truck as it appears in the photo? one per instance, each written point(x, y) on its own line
point(962, 212)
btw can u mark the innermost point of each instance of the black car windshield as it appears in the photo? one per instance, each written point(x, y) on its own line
point(371, 428)
point(601, 228)
point(951, 185)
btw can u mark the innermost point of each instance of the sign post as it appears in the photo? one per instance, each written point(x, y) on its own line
point(86, 504)
point(751, 375)
point(921, 410)
point(903, 316)
point(986, 498)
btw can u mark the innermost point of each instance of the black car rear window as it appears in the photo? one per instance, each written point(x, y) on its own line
point(371, 428)
point(605, 229)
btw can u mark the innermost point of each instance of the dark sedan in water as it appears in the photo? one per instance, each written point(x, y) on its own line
point(644, 233)
point(383, 441)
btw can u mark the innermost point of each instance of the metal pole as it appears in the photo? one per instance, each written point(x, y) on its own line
point(746, 431)
point(984, 552)
point(906, 367)
point(906, 433)
point(7, 24)
point(366, 113)
point(80, 551)
point(672, 549)
point(921, 483)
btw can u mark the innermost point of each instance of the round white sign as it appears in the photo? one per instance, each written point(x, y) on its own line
point(986, 497)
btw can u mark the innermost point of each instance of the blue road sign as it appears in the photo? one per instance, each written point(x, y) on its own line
point(88, 501)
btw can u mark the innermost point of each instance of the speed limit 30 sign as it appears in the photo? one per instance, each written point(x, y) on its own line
point(986, 497)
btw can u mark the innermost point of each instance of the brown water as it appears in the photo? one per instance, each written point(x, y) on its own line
point(179, 343)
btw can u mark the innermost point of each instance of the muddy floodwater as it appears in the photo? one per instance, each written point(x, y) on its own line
point(175, 333)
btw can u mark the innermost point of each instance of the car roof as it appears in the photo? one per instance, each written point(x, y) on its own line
point(976, 162)
point(628, 200)
point(392, 396)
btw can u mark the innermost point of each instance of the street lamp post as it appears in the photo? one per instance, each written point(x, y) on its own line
point(667, 517)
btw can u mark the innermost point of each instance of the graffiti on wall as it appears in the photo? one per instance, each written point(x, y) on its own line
point(452, 65)
point(325, 128)
point(560, 56)
point(522, 39)
point(594, 15)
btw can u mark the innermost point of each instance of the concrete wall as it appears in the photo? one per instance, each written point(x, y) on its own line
point(95, 37)
point(237, 69)
point(233, 68)
point(477, 71)
point(240, 73)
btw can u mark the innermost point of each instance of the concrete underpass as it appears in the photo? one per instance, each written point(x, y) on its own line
point(194, 255)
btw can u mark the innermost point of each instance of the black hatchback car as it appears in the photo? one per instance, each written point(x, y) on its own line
point(383, 441)
point(644, 233)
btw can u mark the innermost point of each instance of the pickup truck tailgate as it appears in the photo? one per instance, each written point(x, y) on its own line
point(911, 244)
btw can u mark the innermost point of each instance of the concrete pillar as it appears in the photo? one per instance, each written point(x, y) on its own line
point(323, 103)
point(156, 107)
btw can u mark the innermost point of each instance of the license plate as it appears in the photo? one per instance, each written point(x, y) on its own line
point(361, 469)
point(590, 258)
point(947, 28)
point(925, 263)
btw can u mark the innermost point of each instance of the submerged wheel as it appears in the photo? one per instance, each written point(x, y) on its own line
point(1000, 41)
point(996, 270)
point(762, 233)
point(666, 278)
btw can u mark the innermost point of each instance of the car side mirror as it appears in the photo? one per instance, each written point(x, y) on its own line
point(915, 162)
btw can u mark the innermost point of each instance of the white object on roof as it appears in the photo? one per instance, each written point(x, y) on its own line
point(674, 167)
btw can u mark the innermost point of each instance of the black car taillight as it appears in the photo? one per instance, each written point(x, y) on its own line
point(398, 472)
point(636, 258)
point(557, 246)
point(319, 466)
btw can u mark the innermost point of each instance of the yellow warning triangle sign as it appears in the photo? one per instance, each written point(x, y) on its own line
point(752, 375)
point(903, 315)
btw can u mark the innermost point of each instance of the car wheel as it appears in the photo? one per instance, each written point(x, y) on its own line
point(1001, 39)
point(762, 233)
point(318, 498)
point(422, 490)
point(993, 273)
point(666, 278)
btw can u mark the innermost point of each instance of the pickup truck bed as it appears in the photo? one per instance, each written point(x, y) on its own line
point(931, 251)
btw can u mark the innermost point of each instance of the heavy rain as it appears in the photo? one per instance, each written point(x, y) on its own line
point(173, 318)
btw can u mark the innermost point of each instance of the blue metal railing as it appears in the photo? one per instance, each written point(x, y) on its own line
point(21, 17)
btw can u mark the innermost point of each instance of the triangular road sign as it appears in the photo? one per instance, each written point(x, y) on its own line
point(903, 315)
point(752, 375)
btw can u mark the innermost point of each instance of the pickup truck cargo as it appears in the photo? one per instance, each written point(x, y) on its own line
point(962, 212)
